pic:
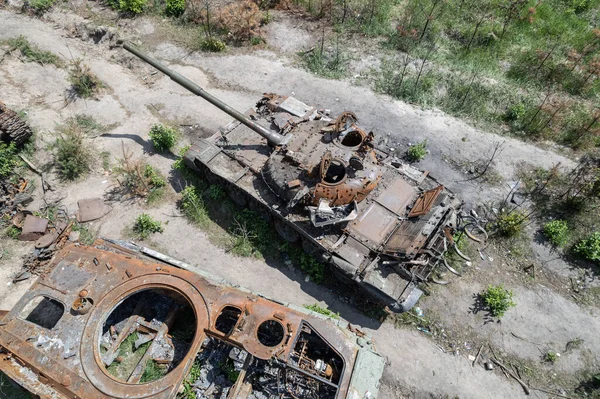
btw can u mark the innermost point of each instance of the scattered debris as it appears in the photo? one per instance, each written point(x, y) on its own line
point(92, 209)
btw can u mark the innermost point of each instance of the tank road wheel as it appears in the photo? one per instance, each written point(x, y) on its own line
point(286, 232)
point(237, 195)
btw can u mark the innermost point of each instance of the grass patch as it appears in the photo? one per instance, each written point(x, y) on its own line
point(417, 152)
point(9, 160)
point(32, 53)
point(497, 299)
point(212, 44)
point(551, 357)
point(329, 64)
point(13, 232)
point(84, 82)
point(145, 226)
point(163, 137)
point(153, 372)
point(321, 310)
point(188, 384)
point(86, 236)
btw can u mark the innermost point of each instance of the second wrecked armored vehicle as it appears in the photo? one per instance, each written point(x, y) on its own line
point(378, 221)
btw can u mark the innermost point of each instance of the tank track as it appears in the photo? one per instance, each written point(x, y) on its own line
point(13, 129)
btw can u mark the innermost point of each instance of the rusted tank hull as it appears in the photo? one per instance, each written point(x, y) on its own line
point(71, 335)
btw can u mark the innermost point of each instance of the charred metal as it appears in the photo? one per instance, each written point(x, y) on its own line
point(110, 322)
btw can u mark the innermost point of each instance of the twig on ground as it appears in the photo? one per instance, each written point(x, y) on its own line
point(509, 372)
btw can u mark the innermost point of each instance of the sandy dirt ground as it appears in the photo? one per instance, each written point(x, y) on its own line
point(137, 98)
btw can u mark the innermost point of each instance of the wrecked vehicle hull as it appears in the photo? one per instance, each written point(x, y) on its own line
point(379, 222)
point(109, 321)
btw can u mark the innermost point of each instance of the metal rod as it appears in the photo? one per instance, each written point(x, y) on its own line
point(272, 137)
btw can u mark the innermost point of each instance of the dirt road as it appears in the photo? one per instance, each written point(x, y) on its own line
point(136, 99)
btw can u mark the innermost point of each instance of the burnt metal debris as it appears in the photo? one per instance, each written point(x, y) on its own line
point(13, 129)
point(110, 322)
point(378, 221)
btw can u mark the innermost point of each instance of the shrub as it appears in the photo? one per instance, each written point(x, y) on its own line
point(497, 299)
point(321, 310)
point(72, 155)
point(13, 232)
point(134, 6)
point(241, 20)
point(509, 224)
point(213, 45)
point(38, 6)
point(163, 137)
point(32, 53)
point(146, 225)
point(84, 82)
point(193, 206)
point(329, 64)
point(557, 232)
point(8, 159)
point(139, 178)
point(589, 248)
point(417, 152)
point(174, 8)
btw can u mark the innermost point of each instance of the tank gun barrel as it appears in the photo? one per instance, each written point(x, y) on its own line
point(272, 137)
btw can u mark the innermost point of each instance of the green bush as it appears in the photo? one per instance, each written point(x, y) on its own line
point(589, 248)
point(154, 177)
point(32, 53)
point(146, 225)
point(497, 299)
point(13, 232)
point(174, 8)
point(417, 152)
point(163, 137)
point(134, 6)
point(38, 6)
point(509, 224)
point(8, 159)
point(72, 155)
point(213, 45)
point(557, 232)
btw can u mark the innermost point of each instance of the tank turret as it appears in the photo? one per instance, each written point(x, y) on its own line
point(379, 222)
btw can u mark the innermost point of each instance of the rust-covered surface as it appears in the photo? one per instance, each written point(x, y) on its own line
point(106, 323)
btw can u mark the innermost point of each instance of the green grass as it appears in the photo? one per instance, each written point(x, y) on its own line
point(9, 160)
point(145, 226)
point(84, 82)
point(86, 236)
point(321, 310)
point(153, 372)
point(329, 64)
point(13, 232)
point(188, 389)
point(32, 53)
point(551, 357)
point(38, 6)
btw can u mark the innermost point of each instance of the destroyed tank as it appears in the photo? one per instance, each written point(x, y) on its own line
point(115, 320)
point(378, 221)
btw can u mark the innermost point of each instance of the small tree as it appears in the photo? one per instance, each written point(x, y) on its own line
point(497, 299)
point(163, 137)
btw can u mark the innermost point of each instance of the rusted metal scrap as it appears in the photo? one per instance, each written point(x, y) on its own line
point(13, 129)
point(109, 322)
